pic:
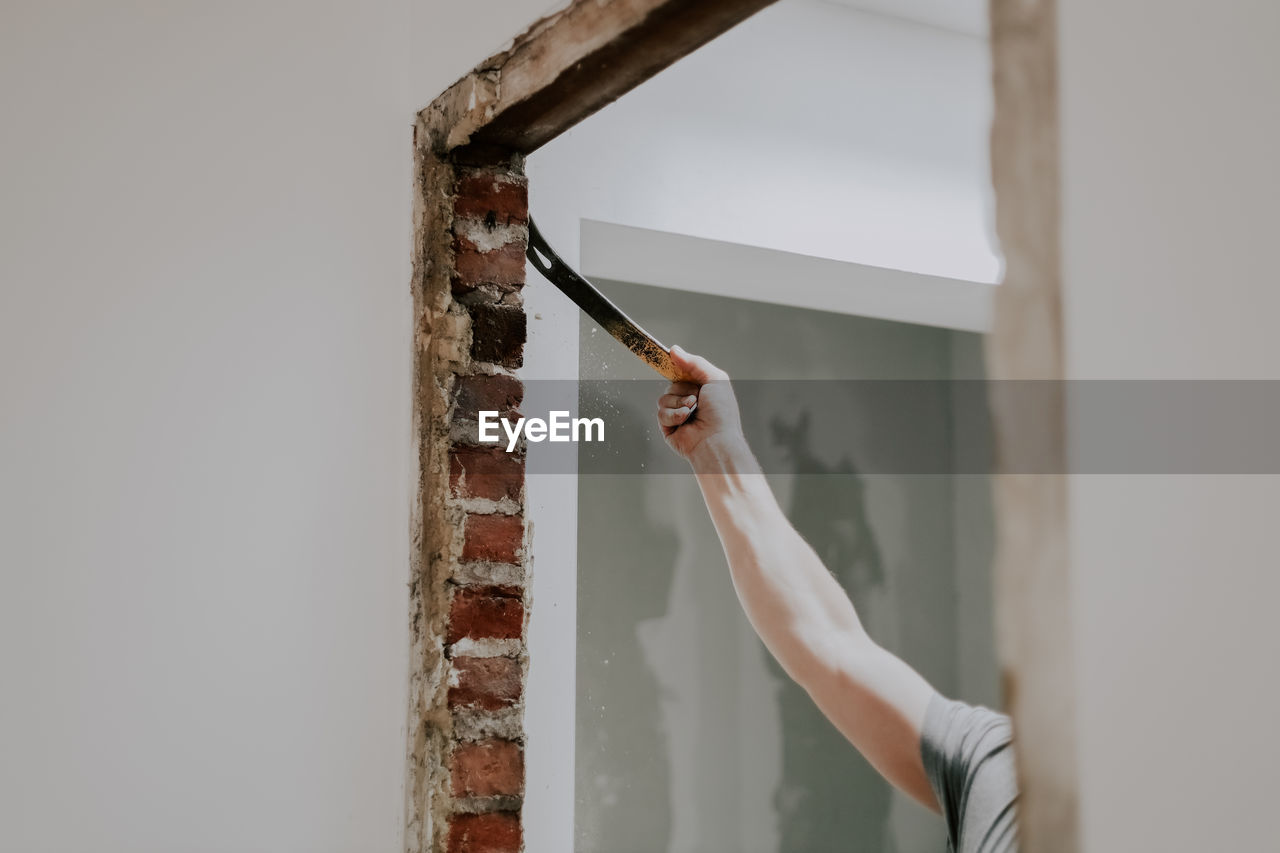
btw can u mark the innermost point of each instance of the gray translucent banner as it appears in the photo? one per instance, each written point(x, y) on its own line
point(816, 427)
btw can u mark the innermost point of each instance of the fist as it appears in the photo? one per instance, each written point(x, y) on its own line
point(698, 406)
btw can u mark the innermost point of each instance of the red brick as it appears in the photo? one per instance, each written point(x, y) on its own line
point(485, 472)
point(498, 393)
point(490, 768)
point(503, 266)
point(487, 683)
point(495, 832)
point(486, 612)
point(498, 334)
point(495, 198)
point(496, 538)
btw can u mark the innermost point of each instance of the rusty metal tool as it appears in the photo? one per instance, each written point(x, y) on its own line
point(598, 306)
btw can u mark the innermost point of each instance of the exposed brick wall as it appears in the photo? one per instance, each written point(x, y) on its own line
point(469, 588)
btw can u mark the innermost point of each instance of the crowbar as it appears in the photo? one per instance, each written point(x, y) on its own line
point(598, 306)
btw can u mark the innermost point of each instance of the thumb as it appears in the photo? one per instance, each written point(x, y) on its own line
point(695, 368)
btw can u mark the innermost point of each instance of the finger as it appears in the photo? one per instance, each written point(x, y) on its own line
point(681, 389)
point(675, 401)
point(673, 417)
point(695, 368)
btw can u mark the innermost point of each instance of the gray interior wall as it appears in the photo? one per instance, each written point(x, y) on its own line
point(978, 676)
point(689, 737)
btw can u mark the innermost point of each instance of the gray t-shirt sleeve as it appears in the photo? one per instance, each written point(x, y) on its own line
point(968, 757)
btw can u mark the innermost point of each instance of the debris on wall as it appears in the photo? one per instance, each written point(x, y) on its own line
point(469, 595)
point(470, 552)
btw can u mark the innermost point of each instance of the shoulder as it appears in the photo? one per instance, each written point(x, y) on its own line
point(967, 751)
point(955, 731)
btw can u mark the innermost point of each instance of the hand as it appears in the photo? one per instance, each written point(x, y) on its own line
point(707, 387)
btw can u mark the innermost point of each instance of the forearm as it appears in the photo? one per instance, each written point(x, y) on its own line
point(804, 617)
point(799, 610)
point(808, 623)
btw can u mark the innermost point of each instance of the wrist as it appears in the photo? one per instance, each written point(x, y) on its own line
point(721, 453)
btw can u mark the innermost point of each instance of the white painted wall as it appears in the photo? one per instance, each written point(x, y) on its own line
point(204, 435)
point(1170, 133)
point(694, 264)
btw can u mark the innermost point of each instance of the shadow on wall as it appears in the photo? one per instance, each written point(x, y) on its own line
point(824, 795)
point(623, 773)
point(827, 790)
point(689, 738)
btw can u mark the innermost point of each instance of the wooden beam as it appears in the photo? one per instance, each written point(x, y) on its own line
point(566, 67)
point(1033, 589)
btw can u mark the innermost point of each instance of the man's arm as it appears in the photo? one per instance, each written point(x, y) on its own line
point(803, 616)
